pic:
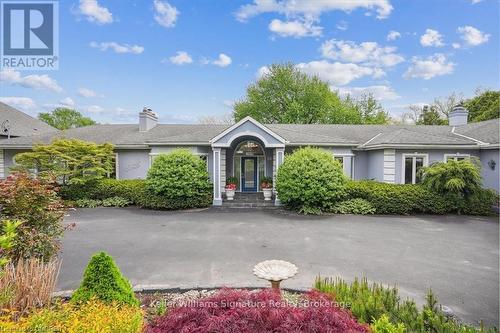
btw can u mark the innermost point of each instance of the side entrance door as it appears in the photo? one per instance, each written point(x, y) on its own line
point(249, 174)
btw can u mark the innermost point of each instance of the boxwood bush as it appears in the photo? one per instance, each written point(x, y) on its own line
point(310, 181)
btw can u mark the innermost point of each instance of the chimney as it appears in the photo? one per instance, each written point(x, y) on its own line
point(147, 120)
point(458, 117)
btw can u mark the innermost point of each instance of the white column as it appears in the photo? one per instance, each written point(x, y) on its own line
point(279, 157)
point(389, 166)
point(217, 176)
point(2, 164)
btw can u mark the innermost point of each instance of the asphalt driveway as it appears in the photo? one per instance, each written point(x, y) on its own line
point(456, 256)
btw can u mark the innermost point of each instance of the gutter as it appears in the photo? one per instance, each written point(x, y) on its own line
point(468, 137)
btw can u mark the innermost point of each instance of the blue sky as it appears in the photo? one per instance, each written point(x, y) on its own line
point(186, 59)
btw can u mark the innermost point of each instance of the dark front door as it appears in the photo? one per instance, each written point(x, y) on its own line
point(249, 174)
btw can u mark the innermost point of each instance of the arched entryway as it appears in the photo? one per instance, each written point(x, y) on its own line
point(249, 165)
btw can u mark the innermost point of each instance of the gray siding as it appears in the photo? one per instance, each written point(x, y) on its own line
point(133, 164)
point(435, 155)
point(490, 176)
point(360, 165)
point(8, 156)
point(375, 165)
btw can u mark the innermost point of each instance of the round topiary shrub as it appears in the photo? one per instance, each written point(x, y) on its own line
point(179, 175)
point(102, 280)
point(310, 181)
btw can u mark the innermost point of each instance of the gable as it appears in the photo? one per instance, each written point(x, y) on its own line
point(248, 127)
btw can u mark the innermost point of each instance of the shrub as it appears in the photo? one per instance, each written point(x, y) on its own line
point(353, 206)
point(383, 325)
point(115, 202)
point(480, 203)
point(310, 181)
point(263, 311)
point(399, 198)
point(30, 283)
point(71, 161)
point(178, 175)
point(35, 203)
point(382, 308)
point(103, 280)
point(90, 317)
point(88, 203)
point(7, 237)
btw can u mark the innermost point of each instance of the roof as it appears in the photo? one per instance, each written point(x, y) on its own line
point(22, 124)
point(361, 136)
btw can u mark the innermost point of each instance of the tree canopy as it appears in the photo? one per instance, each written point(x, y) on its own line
point(71, 161)
point(484, 106)
point(286, 95)
point(64, 118)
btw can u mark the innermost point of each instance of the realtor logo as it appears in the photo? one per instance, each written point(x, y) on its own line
point(30, 34)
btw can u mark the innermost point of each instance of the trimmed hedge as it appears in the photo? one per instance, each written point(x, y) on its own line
point(407, 199)
point(133, 190)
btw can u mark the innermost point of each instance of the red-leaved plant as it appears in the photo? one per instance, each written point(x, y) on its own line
point(244, 311)
point(35, 203)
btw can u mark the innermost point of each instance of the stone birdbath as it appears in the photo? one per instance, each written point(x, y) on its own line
point(275, 271)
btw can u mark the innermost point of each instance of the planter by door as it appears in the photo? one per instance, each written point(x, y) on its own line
point(249, 174)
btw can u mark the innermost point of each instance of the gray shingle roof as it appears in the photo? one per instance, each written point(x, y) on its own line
point(22, 124)
point(355, 135)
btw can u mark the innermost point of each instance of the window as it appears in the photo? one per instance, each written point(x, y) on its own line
point(204, 158)
point(412, 164)
point(340, 159)
point(456, 157)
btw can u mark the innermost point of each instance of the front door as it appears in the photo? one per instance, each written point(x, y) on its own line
point(249, 174)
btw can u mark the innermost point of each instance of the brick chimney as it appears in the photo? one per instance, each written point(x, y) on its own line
point(147, 120)
point(458, 117)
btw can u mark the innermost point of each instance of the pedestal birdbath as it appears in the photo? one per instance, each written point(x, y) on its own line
point(275, 271)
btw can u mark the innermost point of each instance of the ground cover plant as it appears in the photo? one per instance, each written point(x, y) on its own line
point(383, 308)
point(262, 311)
point(310, 181)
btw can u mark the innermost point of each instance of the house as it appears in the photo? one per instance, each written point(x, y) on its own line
point(14, 123)
point(250, 150)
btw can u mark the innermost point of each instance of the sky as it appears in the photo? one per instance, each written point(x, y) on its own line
point(187, 59)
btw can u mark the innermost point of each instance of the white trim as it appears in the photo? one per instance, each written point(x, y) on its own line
point(389, 166)
point(2, 164)
point(216, 158)
point(253, 121)
point(249, 134)
point(117, 166)
point(409, 146)
point(367, 142)
point(414, 169)
point(446, 156)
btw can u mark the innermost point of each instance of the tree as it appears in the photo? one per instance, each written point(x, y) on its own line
point(484, 106)
point(444, 105)
point(226, 119)
point(371, 111)
point(64, 118)
point(286, 95)
point(430, 116)
point(71, 161)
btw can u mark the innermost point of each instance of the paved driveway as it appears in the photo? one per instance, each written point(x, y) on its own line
point(457, 256)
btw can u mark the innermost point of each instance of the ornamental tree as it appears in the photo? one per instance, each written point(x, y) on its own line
point(71, 161)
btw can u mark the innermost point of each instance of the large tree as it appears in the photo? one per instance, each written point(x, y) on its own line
point(286, 95)
point(370, 110)
point(484, 106)
point(64, 118)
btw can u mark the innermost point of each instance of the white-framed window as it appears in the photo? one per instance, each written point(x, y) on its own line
point(340, 159)
point(411, 165)
point(456, 157)
point(204, 158)
point(346, 163)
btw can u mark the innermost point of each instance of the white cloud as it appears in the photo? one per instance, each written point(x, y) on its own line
point(263, 71)
point(379, 92)
point(342, 25)
point(94, 109)
point(472, 36)
point(311, 9)
point(181, 58)
point(456, 45)
point(39, 82)
point(369, 53)
point(431, 38)
point(393, 35)
point(87, 93)
point(23, 103)
point(475, 1)
point(339, 73)
point(165, 13)
point(435, 65)
point(222, 61)
point(297, 28)
point(95, 12)
point(68, 102)
point(118, 48)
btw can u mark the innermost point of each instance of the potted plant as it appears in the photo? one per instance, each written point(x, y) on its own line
point(231, 187)
point(266, 184)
